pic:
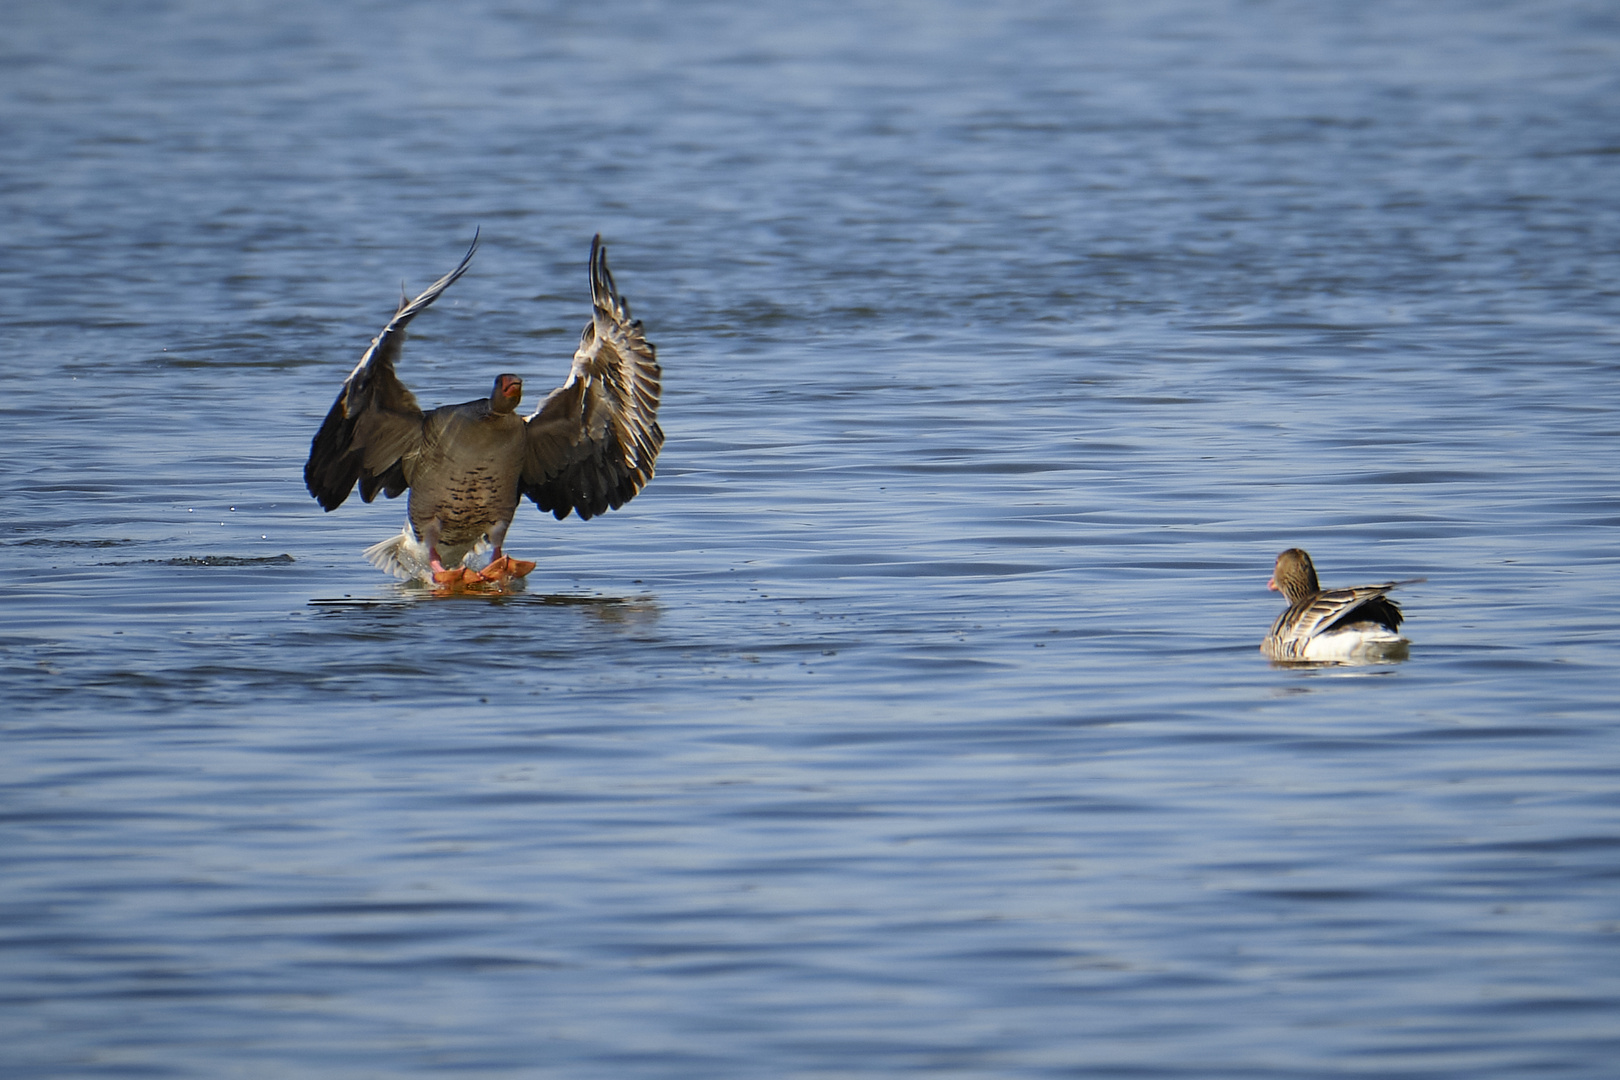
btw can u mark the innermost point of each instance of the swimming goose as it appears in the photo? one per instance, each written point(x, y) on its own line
point(589, 446)
point(1327, 625)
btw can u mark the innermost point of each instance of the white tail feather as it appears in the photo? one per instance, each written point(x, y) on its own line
point(406, 557)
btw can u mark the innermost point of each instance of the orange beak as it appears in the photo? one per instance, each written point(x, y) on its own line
point(1272, 584)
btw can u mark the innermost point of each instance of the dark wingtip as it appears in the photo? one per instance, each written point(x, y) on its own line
point(604, 293)
point(466, 260)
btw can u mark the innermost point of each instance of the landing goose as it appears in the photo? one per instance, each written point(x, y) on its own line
point(588, 447)
point(1332, 625)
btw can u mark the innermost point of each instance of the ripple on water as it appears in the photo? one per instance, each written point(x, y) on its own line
point(913, 718)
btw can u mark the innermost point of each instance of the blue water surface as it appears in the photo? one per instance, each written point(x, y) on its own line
point(912, 720)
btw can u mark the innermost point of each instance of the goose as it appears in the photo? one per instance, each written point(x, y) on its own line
point(1355, 624)
point(588, 447)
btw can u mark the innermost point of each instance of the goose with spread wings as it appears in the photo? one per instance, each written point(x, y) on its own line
point(588, 448)
point(1359, 624)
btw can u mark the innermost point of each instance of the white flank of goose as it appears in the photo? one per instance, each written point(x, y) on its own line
point(1357, 624)
point(589, 446)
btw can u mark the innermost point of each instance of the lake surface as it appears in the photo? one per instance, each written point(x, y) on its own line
point(912, 721)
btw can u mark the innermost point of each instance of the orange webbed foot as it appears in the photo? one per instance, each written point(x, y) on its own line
point(506, 568)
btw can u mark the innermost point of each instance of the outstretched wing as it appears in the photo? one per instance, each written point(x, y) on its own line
point(375, 421)
point(593, 441)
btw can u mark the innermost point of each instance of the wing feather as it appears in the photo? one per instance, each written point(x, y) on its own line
point(593, 441)
point(375, 423)
point(1324, 610)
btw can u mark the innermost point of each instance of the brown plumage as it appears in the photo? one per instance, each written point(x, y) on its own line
point(1330, 624)
point(588, 448)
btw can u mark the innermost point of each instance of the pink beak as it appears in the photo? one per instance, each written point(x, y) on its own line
point(1272, 584)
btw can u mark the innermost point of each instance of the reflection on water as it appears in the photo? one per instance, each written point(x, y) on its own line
point(911, 720)
point(1394, 652)
point(642, 610)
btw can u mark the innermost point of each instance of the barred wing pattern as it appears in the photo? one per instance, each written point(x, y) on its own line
point(592, 443)
point(1331, 609)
